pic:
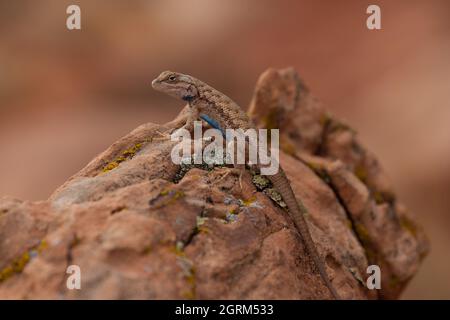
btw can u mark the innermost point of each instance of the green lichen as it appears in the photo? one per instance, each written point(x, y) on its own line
point(179, 247)
point(275, 196)
point(126, 155)
point(188, 270)
point(165, 192)
point(260, 182)
point(191, 281)
point(190, 278)
point(201, 228)
point(356, 274)
point(200, 221)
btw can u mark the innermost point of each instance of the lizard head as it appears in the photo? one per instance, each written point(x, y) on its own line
point(176, 84)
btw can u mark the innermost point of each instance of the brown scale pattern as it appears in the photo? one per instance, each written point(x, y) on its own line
point(229, 115)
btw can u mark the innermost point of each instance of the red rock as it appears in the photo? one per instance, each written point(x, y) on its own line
point(136, 234)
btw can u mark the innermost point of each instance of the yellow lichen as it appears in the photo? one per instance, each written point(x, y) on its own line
point(288, 148)
point(248, 202)
point(6, 273)
point(408, 225)
point(174, 195)
point(383, 196)
point(357, 275)
point(313, 166)
point(19, 264)
point(42, 246)
point(126, 155)
point(363, 233)
point(394, 282)
point(371, 254)
point(188, 270)
point(320, 170)
point(147, 249)
point(203, 229)
point(110, 166)
point(325, 119)
point(378, 196)
point(349, 223)
point(366, 242)
point(271, 119)
point(335, 126)
point(361, 173)
point(190, 279)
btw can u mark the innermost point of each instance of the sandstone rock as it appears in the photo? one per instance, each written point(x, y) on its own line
point(140, 227)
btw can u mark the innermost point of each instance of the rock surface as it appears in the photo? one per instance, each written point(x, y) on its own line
point(140, 227)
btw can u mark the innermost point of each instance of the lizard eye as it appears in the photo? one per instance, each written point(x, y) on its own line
point(172, 78)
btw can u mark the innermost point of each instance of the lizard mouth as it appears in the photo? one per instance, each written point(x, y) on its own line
point(158, 85)
point(155, 83)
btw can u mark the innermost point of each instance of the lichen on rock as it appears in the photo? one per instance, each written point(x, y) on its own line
point(141, 227)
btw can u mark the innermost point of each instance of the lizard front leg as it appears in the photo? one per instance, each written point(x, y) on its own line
point(238, 154)
point(192, 115)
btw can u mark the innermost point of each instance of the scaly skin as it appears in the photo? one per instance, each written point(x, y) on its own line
point(223, 113)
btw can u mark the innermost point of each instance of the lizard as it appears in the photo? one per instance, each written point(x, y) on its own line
point(220, 112)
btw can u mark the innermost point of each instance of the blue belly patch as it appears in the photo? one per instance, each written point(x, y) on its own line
point(213, 123)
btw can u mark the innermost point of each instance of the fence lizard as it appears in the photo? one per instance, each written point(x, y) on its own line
point(221, 113)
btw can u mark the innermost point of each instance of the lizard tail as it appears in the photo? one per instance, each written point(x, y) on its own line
point(281, 183)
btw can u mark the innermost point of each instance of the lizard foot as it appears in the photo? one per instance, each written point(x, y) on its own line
point(239, 170)
point(162, 135)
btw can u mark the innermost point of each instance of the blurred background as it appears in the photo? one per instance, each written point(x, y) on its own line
point(65, 95)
